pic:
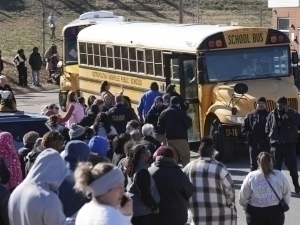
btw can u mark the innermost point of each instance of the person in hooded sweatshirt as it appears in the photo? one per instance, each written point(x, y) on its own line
point(75, 152)
point(34, 201)
point(89, 119)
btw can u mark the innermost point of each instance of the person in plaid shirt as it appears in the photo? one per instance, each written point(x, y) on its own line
point(213, 202)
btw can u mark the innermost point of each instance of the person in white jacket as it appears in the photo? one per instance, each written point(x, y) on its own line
point(257, 197)
point(109, 205)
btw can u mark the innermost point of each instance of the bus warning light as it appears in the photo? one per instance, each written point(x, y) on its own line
point(219, 43)
point(211, 44)
point(273, 39)
point(215, 44)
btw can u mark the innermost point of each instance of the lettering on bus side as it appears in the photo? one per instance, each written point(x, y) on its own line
point(99, 75)
point(117, 78)
point(236, 39)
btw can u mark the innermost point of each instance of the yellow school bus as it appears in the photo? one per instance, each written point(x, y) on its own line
point(69, 71)
point(220, 70)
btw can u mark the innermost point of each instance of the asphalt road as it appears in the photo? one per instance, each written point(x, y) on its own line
point(238, 168)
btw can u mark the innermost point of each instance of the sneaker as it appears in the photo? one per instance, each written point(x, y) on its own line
point(297, 189)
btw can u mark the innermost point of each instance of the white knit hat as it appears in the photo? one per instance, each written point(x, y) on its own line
point(5, 94)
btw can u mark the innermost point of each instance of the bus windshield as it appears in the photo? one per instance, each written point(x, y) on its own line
point(242, 64)
point(70, 45)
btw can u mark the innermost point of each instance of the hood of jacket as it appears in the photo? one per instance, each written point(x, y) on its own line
point(165, 162)
point(76, 151)
point(48, 169)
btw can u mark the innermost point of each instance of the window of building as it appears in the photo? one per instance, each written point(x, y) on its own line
point(284, 25)
point(132, 58)
point(103, 56)
point(140, 61)
point(110, 57)
point(125, 62)
point(158, 65)
point(149, 62)
point(118, 63)
point(90, 54)
point(97, 55)
point(82, 50)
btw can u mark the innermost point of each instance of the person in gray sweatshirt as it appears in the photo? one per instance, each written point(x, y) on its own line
point(257, 197)
point(34, 201)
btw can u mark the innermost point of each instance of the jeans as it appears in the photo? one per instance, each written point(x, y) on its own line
point(36, 77)
point(254, 149)
point(287, 152)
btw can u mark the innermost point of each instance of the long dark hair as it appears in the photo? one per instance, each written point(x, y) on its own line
point(70, 98)
point(119, 142)
point(8, 103)
point(103, 85)
point(134, 157)
point(91, 100)
point(206, 147)
point(102, 118)
point(265, 163)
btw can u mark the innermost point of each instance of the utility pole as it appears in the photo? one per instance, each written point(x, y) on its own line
point(198, 11)
point(43, 29)
point(180, 11)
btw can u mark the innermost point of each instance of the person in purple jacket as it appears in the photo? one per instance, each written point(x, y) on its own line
point(147, 101)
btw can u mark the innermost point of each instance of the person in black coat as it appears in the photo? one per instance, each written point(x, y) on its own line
point(253, 128)
point(89, 119)
point(4, 193)
point(172, 92)
point(153, 115)
point(120, 115)
point(35, 61)
point(174, 122)
point(20, 63)
point(173, 186)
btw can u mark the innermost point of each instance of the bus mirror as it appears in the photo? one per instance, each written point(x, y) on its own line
point(59, 64)
point(295, 72)
point(294, 57)
point(201, 63)
point(202, 77)
point(240, 88)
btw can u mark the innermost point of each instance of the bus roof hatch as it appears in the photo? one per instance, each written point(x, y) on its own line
point(97, 14)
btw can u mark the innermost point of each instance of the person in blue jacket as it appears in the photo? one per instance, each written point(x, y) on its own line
point(147, 101)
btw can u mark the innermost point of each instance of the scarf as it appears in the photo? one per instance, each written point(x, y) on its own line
point(11, 159)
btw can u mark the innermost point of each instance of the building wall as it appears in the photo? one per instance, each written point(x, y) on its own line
point(294, 19)
point(283, 3)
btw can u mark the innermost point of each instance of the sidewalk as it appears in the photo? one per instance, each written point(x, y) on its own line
point(46, 87)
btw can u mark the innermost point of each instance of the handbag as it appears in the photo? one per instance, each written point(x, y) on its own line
point(282, 203)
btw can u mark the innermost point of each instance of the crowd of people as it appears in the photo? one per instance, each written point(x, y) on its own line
point(101, 164)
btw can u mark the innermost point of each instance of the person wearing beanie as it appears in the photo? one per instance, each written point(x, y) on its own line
point(74, 153)
point(77, 132)
point(282, 130)
point(147, 101)
point(173, 186)
point(171, 90)
point(99, 145)
point(213, 186)
point(152, 118)
point(253, 128)
point(174, 123)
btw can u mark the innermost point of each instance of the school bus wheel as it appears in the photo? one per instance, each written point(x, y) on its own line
point(223, 145)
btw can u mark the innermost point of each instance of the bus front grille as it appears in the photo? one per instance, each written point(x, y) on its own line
point(271, 105)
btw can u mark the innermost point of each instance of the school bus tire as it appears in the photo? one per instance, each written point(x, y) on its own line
point(223, 145)
point(62, 97)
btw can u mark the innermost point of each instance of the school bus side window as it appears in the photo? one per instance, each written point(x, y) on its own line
point(140, 61)
point(103, 56)
point(110, 57)
point(158, 63)
point(149, 62)
point(175, 69)
point(132, 57)
point(82, 50)
point(90, 54)
point(125, 62)
point(96, 55)
point(117, 51)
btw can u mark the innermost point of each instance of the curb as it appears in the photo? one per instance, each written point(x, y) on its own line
point(46, 87)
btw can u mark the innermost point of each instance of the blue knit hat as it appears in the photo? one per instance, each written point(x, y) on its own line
point(99, 145)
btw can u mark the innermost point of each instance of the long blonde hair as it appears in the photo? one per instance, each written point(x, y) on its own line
point(265, 163)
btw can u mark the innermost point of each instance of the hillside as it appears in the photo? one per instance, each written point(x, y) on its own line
point(21, 20)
